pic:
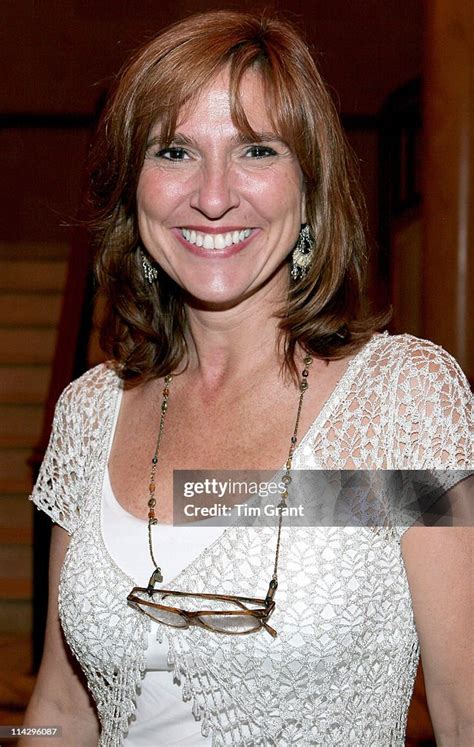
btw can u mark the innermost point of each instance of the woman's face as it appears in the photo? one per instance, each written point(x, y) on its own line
point(219, 213)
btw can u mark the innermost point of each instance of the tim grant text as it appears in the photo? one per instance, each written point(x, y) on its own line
point(240, 509)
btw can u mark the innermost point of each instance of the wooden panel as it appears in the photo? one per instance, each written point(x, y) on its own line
point(406, 274)
point(448, 158)
point(20, 425)
point(15, 563)
point(16, 680)
point(23, 250)
point(29, 309)
point(16, 520)
point(15, 588)
point(95, 354)
point(18, 536)
point(15, 616)
point(15, 474)
point(15, 653)
point(32, 276)
point(27, 345)
point(24, 384)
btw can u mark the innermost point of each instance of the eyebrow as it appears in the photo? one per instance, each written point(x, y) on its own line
point(240, 138)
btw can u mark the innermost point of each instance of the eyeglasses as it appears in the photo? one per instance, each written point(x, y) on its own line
point(236, 619)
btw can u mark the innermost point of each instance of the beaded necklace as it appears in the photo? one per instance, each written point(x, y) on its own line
point(157, 576)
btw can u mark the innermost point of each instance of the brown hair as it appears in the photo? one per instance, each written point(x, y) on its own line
point(144, 326)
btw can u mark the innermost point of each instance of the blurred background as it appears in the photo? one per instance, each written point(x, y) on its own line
point(402, 82)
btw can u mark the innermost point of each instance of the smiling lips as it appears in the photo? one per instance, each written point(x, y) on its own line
point(216, 240)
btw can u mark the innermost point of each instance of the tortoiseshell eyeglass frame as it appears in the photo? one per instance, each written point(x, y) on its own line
point(260, 615)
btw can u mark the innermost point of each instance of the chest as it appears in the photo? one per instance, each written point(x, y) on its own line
point(248, 430)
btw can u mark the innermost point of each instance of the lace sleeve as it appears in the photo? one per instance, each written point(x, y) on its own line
point(57, 489)
point(434, 418)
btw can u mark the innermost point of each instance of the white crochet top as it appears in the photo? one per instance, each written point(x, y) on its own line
point(341, 669)
point(161, 716)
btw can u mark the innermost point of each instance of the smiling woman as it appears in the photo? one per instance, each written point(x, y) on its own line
point(231, 253)
point(219, 215)
point(217, 113)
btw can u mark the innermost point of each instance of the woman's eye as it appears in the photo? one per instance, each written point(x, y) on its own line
point(172, 154)
point(260, 151)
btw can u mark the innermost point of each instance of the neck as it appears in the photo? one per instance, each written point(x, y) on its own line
point(233, 342)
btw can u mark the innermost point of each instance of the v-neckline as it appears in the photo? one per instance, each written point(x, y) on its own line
point(339, 390)
point(332, 400)
point(335, 396)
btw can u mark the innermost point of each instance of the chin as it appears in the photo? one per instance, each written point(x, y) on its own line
point(213, 301)
point(219, 290)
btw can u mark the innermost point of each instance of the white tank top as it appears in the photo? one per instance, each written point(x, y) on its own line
point(161, 716)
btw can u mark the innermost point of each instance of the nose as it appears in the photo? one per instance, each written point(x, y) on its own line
point(216, 192)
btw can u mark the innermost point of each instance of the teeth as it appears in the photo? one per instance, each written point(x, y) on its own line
point(215, 240)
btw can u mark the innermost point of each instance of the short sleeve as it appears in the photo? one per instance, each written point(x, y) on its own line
point(58, 487)
point(434, 411)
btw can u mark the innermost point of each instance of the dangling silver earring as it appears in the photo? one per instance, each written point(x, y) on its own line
point(302, 254)
point(149, 271)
